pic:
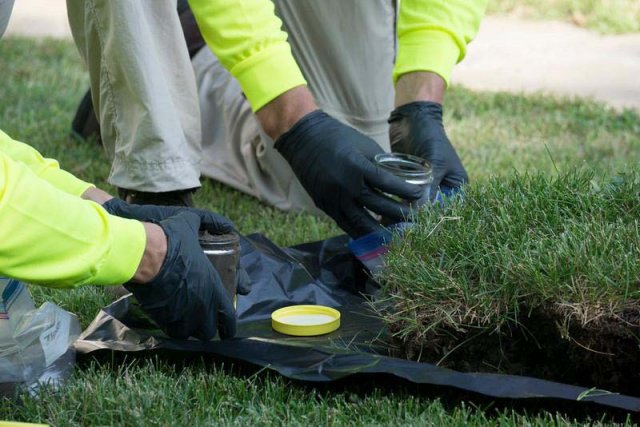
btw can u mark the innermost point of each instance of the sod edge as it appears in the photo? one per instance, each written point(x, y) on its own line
point(529, 275)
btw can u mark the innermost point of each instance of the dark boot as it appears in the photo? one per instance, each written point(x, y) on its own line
point(168, 198)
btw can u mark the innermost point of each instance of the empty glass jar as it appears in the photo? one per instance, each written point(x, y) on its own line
point(223, 250)
point(412, 169)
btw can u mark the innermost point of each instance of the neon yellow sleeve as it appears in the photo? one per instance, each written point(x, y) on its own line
point(247, 37)
point(53, 238)
point(47, 169)
point(433, 34)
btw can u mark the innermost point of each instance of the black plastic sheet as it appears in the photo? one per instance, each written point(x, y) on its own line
point(318, 273)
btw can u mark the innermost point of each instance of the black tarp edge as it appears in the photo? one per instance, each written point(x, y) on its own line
point(318, 273)
point(324, 365)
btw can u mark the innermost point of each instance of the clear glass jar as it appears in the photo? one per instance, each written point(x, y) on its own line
point(223, 251)
point(412, 169)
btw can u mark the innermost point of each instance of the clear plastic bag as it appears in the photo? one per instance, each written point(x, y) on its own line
point(33, 342)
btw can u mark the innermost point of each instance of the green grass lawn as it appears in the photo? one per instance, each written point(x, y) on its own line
point(556, 257)
point(604, 16)
point(497, 134)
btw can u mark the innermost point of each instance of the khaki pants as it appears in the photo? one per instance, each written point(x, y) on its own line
point(345, 49)
point(6, 6)
point(143, 90)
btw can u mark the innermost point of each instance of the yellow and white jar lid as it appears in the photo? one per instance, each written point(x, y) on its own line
point(305, 320)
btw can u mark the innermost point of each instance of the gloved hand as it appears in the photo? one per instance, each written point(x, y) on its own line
point(209, 221)
point(334, 163)
point(416, 128)
point(187, 297)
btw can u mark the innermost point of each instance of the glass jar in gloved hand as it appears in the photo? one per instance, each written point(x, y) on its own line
point(334, 163)
point(208, 222)
point(371, 248)
point(186, 298)
point(223, 251)
point(215, 230)
point(412, 169)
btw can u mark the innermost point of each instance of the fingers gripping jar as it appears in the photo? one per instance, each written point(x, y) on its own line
point(371, 248)
point(412, 169)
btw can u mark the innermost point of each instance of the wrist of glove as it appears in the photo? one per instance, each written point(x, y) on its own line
point(334, 163)
point(187, 296)
point(209, 221)
point(416, 128)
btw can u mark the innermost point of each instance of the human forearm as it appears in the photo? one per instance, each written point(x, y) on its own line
point(44, 168)
point(154, 254)
point(420, 86)
point(279, 115)
point(56, 239)
point(155, 248)
point(246, 36)
point(433, 35)
point(96, 195)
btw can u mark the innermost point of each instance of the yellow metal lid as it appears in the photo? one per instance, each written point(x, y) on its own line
point(305, 320)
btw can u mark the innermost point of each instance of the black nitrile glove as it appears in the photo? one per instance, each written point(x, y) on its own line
point(209, 221)
point(334, 163)
point(416, 128)
point(187, 297)
point(243, 281)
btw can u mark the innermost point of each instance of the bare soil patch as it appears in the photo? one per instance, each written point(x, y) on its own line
point(550, 343)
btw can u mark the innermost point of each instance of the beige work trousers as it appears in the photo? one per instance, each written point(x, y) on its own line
point(143, 90)
point(6, 6)
point(148, 104)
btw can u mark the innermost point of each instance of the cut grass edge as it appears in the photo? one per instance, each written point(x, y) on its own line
point(540, 261)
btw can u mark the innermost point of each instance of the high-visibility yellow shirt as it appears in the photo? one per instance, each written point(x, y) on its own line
point(248, 39)
point(50, 235)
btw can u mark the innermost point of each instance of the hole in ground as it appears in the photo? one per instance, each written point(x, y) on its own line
point(545, 343)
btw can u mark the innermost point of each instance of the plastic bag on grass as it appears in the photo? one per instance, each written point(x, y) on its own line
point(34, 343)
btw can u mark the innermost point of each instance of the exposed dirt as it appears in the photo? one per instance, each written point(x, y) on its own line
point(603, 353)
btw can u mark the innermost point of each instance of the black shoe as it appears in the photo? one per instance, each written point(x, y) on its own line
point(85, 125)
point(168, 198)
